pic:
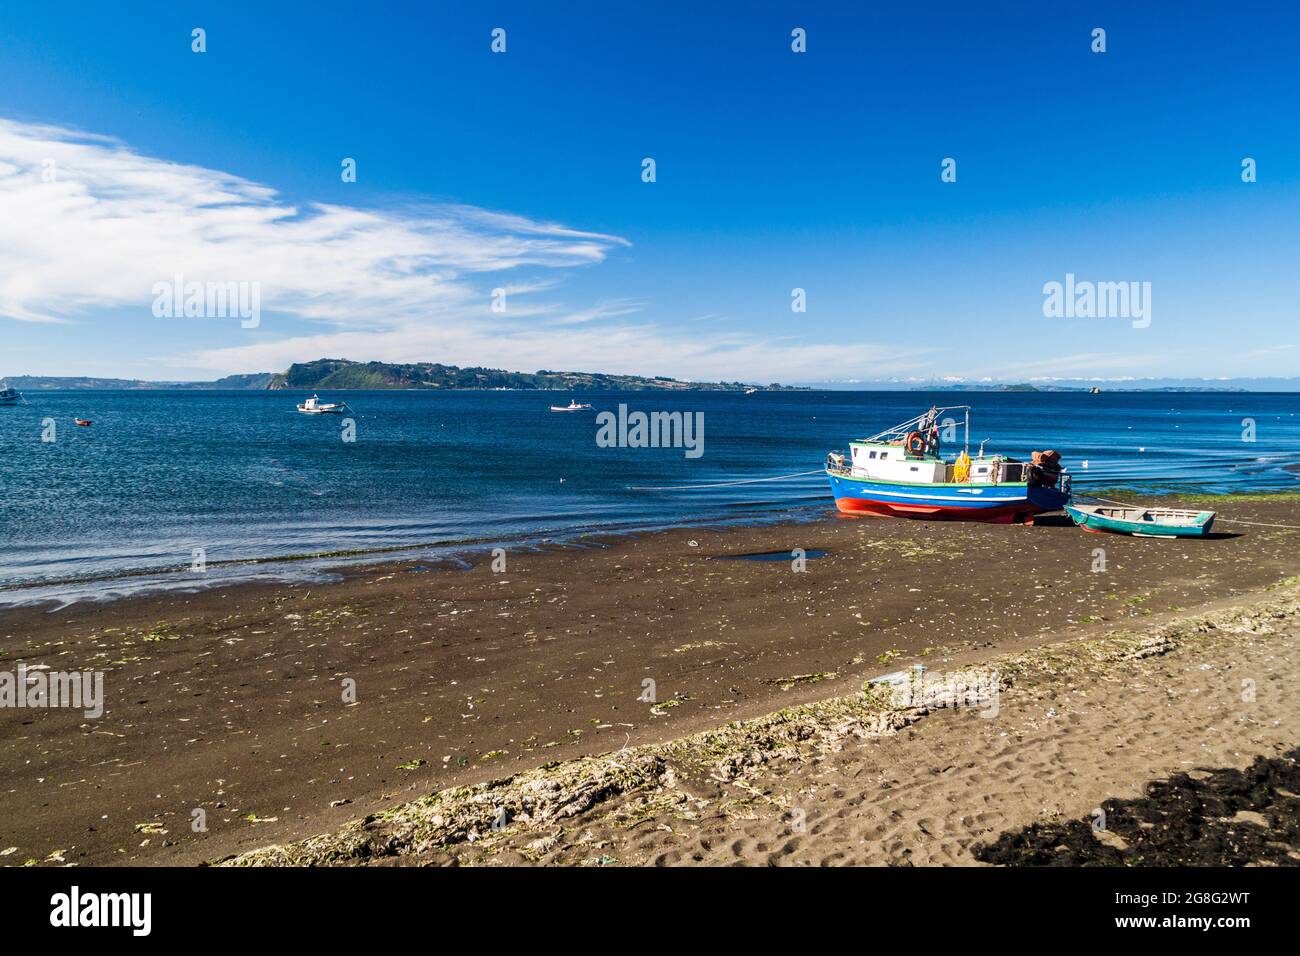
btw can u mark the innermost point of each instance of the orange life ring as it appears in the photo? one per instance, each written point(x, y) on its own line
point(915, 443)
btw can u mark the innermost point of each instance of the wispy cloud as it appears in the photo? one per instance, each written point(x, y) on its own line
point(642, 348)
point(1084, 363)
point(88, 224)
point(1269, 351)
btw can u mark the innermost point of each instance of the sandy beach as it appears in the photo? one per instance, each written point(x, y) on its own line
point(1174, 748)
point(1122, 668)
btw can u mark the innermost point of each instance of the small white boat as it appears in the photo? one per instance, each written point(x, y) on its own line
point(314, 406)
point(750, 391)
point(9, 396)
point(573, 406)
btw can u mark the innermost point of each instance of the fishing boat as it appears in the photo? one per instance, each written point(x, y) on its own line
point(1143, 522)
point(9, 396)
point(573, 406)
point(314, 406)
point(83, 422)
point(902, 472)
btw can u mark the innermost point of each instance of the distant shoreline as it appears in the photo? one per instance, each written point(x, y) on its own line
point(347, 375)
point(128, 386)
point(55, 384)
point(344, 374)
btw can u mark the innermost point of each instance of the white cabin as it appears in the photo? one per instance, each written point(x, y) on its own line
point(910, 453)
point(890, 461)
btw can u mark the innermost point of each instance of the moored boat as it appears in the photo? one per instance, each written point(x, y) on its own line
point(9, 396)
point(1143, 522)
point(573, 406)
point(314, 406)
point(902, 472)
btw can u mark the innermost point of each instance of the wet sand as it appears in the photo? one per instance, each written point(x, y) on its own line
point(232, 701)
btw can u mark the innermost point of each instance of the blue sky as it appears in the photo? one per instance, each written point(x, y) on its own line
point(775, 170)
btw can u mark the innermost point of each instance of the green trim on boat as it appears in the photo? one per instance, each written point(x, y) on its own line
point(915, 484)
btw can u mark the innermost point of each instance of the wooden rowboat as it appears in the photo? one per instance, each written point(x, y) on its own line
point(1144, 522)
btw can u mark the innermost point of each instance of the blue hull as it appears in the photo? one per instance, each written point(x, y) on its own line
point(1003, 504)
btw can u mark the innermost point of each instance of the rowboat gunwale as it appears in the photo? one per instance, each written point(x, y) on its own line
point(1103, 518)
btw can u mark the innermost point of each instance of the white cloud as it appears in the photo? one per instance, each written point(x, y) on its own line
point(637, 349)
point(392, 284)
point(1083, 363)
point(113, 222)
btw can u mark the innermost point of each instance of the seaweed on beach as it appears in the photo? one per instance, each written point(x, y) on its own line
point(556, 794)
point(1221, 817)
point(1177, 822)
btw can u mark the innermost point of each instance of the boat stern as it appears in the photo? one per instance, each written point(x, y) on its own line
point(1054, 498)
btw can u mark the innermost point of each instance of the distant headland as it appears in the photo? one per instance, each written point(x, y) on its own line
point(344, 374)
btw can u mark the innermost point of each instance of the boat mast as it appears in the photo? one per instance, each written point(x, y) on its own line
point(968, 433)
point(905, 427)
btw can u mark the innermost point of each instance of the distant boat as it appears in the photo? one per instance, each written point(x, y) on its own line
point(314, 406)
point(1143, 522)
point(750, 391)
point(83, 422)
point(573, 406)
point(9, 396)
point(902, 473)
point(1094, 390)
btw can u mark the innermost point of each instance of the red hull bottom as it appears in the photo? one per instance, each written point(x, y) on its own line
point(1022, 513)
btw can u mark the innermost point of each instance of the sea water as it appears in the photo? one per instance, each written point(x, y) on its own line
point(186, 487)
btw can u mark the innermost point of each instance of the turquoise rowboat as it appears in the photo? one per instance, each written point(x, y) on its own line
point(1144, 522)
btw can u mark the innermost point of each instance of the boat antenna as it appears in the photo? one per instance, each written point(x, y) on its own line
point(930, 417)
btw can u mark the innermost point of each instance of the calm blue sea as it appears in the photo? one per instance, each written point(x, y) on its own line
point(101, 510)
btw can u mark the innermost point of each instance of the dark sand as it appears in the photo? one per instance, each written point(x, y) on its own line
point(231, 701)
